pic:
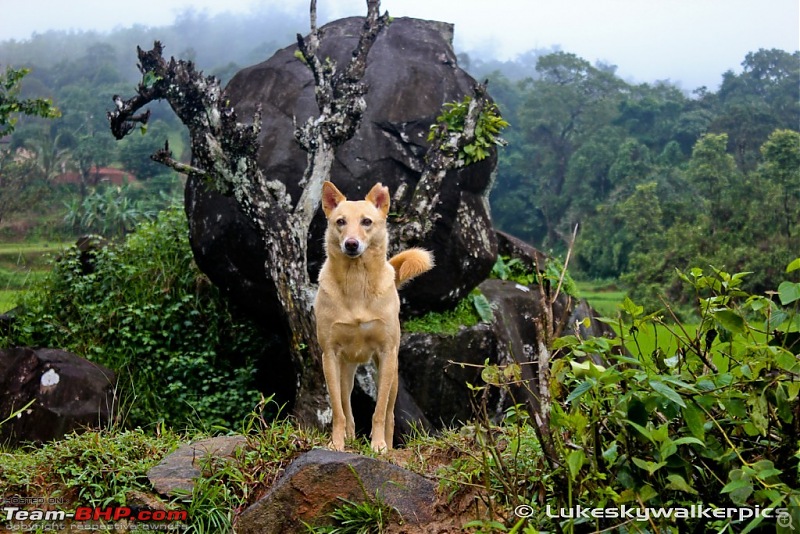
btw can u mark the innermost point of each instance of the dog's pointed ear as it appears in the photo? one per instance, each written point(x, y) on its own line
point(331, 197)
point(379, 196)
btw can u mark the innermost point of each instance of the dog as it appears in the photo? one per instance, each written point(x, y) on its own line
point(357, 307)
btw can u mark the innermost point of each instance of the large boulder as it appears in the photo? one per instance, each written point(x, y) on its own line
point(68, 393)
point(316, 482)
point(411, 71)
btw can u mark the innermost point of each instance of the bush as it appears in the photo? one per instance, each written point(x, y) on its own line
point(708, 417)
point(149, 314)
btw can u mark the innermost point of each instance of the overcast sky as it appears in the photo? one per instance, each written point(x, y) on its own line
point(687, 41)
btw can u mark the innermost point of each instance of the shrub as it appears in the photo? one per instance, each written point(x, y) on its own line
point(710, 421)
point(149, 314)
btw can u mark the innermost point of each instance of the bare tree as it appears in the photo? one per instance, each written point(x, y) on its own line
point(224, 154)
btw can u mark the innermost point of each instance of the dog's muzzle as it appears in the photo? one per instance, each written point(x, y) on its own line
point(352, 247)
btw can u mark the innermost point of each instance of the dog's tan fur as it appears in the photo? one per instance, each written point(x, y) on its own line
point(357, 307)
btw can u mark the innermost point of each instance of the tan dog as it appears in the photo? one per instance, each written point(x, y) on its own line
point(357, 307)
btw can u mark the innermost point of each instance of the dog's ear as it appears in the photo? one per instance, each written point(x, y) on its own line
point(331, 197)
point(379, 196)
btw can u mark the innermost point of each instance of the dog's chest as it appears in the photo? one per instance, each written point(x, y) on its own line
point(358, 341)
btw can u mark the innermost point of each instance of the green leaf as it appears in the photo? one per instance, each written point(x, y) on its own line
point(643, 431)
point(789, 292)
point(650, 467)
point(631, 308)
point(695, 420)
point(731, 320)
point(677, 482)
point(582, 388)
point(482, 307)
point(668, 392)
point(687, 439)
point(575, 461)
point(647, 492)
point(793, 266)
point(735, 485)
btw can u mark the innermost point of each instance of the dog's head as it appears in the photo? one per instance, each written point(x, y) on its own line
point(355, 225)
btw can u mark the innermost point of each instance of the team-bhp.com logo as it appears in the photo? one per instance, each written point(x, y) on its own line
point(88, 513)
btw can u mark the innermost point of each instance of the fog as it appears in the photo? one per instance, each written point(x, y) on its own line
point(689, 43)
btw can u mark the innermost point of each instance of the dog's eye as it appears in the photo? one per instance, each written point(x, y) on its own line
point(341, 222)
point(366, 222)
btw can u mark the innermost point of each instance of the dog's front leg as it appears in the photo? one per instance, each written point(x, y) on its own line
point(348, 375)
point(330, 367)
point(387, 391)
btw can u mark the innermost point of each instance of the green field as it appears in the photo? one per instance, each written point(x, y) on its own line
point(603, 296)
point(21, 263)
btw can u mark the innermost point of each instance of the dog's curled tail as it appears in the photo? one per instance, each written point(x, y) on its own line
point(410, 263)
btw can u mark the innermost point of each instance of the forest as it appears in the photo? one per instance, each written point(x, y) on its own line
point(655, 177)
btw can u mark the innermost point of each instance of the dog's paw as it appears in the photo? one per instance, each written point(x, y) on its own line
point(336, 445)
point(379, 446)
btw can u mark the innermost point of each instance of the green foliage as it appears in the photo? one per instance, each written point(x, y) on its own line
point(95, 468)
point(102, 468)
point(148, 313)
point(11, 105)
point(487, 129)
point(108, 212)
point(471, 310)
point(711, 422)
point(514, 269)
point(657, 179)
point(227, 485)
point(370, 516)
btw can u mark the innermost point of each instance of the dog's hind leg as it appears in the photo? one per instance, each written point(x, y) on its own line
point(330, 367)
point(389, 430)
point(348, 374)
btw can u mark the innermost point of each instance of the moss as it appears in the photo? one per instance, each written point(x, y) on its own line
point(447, 322)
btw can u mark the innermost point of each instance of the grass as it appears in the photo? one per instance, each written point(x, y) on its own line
point(603, 296)
point(22, 263)
point(8, 299)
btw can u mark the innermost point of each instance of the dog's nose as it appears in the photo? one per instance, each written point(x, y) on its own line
point(351, 245)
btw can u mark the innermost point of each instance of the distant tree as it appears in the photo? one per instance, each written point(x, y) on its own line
point(781, 167)
point(11, 105)
point(16, 183)
point(711, 170)
point(92, 152)
point(764, 97)
point(17, 171)
point(568, 104)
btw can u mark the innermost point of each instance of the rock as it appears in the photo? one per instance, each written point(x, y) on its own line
point(513, 247)
point(411, 72)
point(314, 484)
point(438, 387)
point(88, 246)
point(177, 471)
point(69, 393)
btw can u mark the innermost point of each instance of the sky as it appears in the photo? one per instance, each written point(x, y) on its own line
point(689, 42)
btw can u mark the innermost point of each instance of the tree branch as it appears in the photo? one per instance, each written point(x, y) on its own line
point(340, 98)
point(440, 158)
